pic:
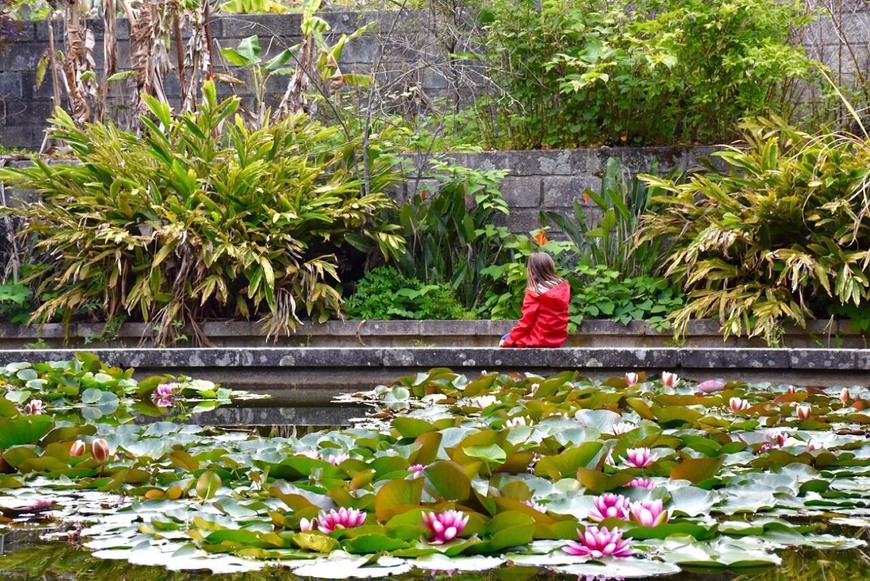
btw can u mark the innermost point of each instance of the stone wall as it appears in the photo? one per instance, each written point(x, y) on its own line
point(551, 180)
point(409, 60)
point(408, 55)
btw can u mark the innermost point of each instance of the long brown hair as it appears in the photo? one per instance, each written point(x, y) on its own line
point(541, 273)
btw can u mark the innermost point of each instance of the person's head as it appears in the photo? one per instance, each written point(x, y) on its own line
point(541, 272)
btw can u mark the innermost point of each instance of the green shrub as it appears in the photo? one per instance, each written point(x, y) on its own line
point(597, 292)
point(640, 72)
point(782, 238)
point(200, 218)
point(385, 294)
point(451, 233)
point(15, 303)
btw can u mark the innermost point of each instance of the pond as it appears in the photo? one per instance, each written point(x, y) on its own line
point(497, 476)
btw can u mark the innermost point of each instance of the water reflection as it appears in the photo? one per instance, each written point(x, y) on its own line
point(21, 557)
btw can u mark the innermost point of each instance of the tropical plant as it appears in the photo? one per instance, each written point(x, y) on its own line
point(315, 60)
point(648, 72)
point(199, 217)
point(782, 238)
point(608, 239)
point(452, 233)
point(384, 294)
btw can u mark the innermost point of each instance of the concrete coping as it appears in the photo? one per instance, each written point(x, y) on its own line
point(476, 333)
point(490, 358)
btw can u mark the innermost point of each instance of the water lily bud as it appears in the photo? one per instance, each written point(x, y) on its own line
point(670, 379)
point(844, 396)
point(100, 449)
point(803, 412)
point(77, 448)
point(632, 378)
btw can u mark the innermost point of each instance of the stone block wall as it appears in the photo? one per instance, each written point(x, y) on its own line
point(402, 50)
point(398, 58)
point(551, 180)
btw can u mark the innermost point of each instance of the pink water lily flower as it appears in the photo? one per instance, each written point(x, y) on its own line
point(343, 518)
point(845, 396)
point(416, 468)
point(336, 459)
point(622, 428)
point(609, 506)
point(445, 526)
point(597, 543)
point(641, 483)
point(632, 378)
point(306, 525)
point(532, 504)
point(738, 404)
point(33, 407)
point(710, 385)
point(638, 457)
point(649, 513)
point(670, 379)
point(804, 411)
point(778, 437)
point(518, 421)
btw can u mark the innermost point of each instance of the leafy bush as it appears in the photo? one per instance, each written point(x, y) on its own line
point(640, 72)
point(609, 239)
point(783, 237)
point(385, 294)
point(15, 303)
point(199, 217)
point(451, 233)
point(597, 292)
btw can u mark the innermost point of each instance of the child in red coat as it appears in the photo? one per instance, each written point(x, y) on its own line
point(544, 322)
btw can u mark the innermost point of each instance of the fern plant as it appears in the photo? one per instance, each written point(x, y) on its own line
point(201, 218)
point(781, 238)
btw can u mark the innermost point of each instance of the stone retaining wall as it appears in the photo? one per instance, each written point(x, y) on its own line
point(312, 374)
point(401, 334)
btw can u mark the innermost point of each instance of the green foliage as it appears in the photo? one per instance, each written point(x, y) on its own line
point(648, 72)
point(609, 239)
point(15, 303)
point(451, 233)
point(597, 292)
point(385, 294)
point(254, 7)
point(199, 217)
point(783, 237)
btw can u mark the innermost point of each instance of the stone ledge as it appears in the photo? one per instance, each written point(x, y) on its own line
point(667, 358)
point(480, 333)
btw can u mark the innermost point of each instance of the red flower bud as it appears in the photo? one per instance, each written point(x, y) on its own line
point(100, 449)
point(77, 448)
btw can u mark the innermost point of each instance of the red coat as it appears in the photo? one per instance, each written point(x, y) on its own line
point(545, 319)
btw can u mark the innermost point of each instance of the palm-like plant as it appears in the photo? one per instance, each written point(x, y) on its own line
point(783, 237)
point(200, 217)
